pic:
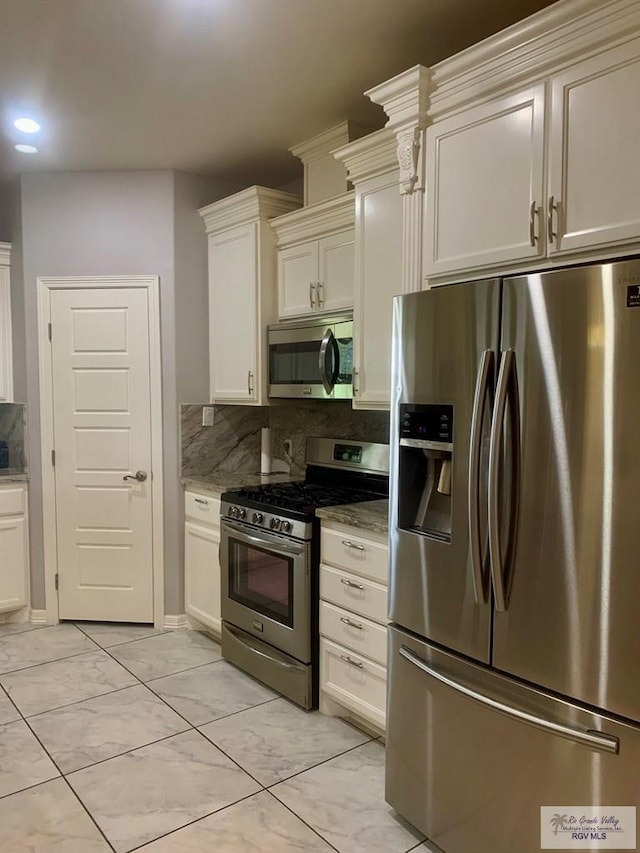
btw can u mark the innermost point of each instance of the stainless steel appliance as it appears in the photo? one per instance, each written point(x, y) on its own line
point(312, 358)
point(269, 554)
point(514, 583)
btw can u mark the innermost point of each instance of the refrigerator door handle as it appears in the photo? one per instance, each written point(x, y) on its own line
point(480, 578)
point(590, 738)
point(506, 393)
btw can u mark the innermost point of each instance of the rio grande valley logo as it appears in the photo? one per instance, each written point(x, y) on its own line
point(588, 828)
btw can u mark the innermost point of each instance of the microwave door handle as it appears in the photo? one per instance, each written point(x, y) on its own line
point(329, 381)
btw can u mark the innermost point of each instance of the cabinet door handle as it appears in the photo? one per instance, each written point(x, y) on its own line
point(320, 290)
point(250, 382)
point(349, 544)
point(353, 624)
point(533, 212)
point(312, 294)
point(351, 661)
point(354, 386)
point(552, 206)
point(201, 501)
point(351, 584)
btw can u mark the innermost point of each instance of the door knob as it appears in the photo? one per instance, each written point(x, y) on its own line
point(140, 476)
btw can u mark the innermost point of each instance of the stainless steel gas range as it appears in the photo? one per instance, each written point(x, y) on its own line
point(269, 553)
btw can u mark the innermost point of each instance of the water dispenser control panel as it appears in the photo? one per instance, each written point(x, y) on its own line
point(426, 422)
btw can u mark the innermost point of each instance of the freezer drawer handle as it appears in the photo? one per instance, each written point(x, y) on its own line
point(595, 740)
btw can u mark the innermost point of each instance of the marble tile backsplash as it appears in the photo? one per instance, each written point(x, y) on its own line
point(233, 442)
point(13, 427)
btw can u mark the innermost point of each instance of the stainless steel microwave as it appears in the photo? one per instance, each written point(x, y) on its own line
point(312, 358)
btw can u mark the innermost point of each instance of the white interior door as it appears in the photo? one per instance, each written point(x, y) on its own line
point(102, 433)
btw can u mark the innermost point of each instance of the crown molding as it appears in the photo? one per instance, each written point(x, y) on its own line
point(370, 156)
point(250, 205)
point(316, 220)
point(5, 254)
point(537, 47)
point(324, 143)
point(405, 100)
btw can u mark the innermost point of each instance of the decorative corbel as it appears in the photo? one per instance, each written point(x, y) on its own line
point(405, 99)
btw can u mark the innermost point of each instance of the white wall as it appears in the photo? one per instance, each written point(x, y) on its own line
point(117, 223)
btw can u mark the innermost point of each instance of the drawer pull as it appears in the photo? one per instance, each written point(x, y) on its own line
point(353, 545)
point(351, 583)
point(350, 622)
point(353, 662)
point(201, 501)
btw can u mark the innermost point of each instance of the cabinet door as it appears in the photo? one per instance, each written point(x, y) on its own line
point(594, 177)
point(335, 271)
point(484, 173)
point(202, 574)
point(233, 315)
point(6, 360)
point(13, 563)
point(378, 276)
point(297, 279)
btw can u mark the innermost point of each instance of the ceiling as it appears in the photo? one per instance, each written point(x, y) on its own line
point(217, 87)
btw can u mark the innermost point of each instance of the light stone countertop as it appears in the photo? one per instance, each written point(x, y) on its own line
point(368, 515)
point(219, 483)
point(13, 477)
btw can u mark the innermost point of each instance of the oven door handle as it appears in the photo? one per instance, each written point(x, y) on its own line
point(267, 542)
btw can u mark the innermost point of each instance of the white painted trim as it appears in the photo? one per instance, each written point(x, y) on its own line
point(5, 254)
point(369, 157)
point(316, 220)
point(178, 622)
point(15, 617)
point(45, 284)
point(38, 617)
point(250, 205)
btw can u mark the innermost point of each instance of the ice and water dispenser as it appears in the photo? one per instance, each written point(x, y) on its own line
point(426, 464)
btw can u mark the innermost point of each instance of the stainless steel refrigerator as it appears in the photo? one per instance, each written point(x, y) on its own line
point(514, 648)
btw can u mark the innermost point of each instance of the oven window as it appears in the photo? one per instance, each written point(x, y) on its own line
point(295, 363)
point(262, 581)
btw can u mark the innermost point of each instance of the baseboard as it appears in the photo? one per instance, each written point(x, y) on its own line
point(176, 623)
point(15, 617)
point(38, 617)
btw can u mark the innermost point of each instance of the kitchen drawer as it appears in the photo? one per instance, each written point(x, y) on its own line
point(203, 509)
point(12, 501)
point(354, 681)
point(356, 594)
point(357, 633)
point(354, 554)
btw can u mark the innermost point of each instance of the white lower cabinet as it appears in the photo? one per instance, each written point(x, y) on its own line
point(353, 624)
point(14, 548)
point(201, 560)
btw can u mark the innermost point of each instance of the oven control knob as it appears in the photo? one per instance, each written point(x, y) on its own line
point(241, 512)
point(286, 526)
point(231, 512)
point(258, 518)
point(275, 524)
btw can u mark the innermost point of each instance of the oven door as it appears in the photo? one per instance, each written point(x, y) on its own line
point(266, 587)
point(314, 361)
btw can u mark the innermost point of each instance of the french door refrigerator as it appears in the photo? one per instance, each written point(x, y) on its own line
point(514, 648)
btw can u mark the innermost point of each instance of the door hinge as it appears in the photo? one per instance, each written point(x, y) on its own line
point(49, 330)
point(53, 458)
point(57, 580)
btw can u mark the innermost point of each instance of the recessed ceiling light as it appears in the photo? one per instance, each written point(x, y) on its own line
point(26, 149)
point(26, 125)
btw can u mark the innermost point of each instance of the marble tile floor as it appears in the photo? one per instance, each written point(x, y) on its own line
point(120, 738)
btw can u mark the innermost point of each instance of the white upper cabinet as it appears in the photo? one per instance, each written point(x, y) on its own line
point(484, 184)
point(373, 170)
point(536, 157)
point(316, 258)
point(6, 351)
point(242, 291)
point(594, 177)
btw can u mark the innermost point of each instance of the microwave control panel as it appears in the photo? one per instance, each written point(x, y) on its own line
point(427, 422)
